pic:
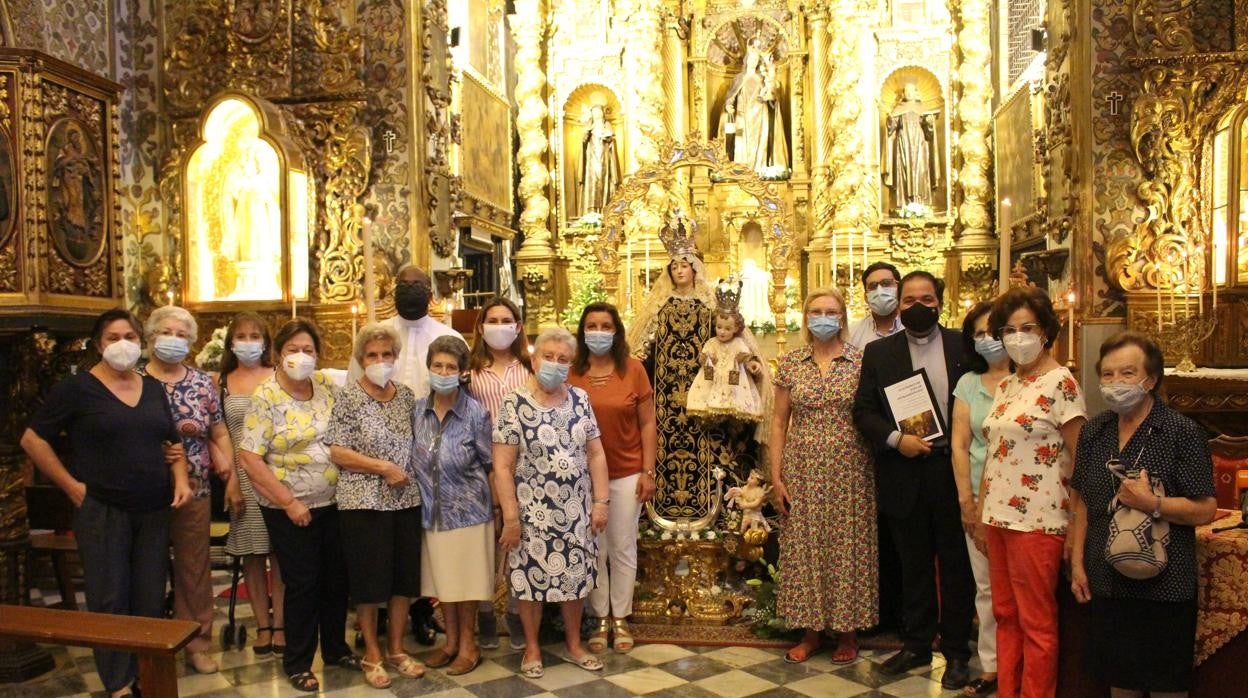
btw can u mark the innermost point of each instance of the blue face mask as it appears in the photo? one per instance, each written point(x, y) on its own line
point(171, 349)
point(991, 349)
point(248, 353)
point(599, 343)
point(824, 327)
point(443, 385)
point(551, 375)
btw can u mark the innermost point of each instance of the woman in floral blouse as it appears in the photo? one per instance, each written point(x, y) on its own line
point(1024, 500)
point(285, 454)
point(370, 438)
point(196, 406)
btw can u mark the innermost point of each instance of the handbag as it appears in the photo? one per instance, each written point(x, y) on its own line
point(1136, 544)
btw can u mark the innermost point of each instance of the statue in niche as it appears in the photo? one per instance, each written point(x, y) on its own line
point(910, 155)
point(752, 116)
point(252, 232)
point(600, 165)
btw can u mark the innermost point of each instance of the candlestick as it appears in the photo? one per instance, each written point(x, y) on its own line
point(1070, 314)
point(355, 328)
point(864, 248)
point(628, 264)
point(1158, 284)
point(849, 259)
point(169, 295)
point(835, 261)
point(646, 270)
point(370, 288)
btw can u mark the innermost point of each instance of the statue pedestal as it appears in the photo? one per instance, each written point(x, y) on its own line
point(688, 582)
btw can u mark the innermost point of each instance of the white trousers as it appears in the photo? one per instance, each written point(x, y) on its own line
point(987, 643)
point(617, 553)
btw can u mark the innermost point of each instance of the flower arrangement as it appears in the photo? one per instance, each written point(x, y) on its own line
point(593, 219)
point(914, 209)
point(762, 613)
point(209, 358)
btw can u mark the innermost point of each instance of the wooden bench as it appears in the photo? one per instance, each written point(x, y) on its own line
point(155, 640)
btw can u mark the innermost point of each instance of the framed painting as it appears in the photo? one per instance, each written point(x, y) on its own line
point(8, 187)
point(76, 195)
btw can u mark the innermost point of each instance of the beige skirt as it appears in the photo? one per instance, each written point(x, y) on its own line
point(458, 565)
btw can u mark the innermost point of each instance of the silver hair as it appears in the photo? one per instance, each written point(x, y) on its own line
point(166, 312)
point(372, 332)
point(554, 334)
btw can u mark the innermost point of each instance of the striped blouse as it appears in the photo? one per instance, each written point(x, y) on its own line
point(489, 389)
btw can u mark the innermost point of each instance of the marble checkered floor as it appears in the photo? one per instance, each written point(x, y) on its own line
point(656, 670)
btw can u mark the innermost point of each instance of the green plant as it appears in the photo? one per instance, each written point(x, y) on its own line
point(586, 288)
point(763, 620)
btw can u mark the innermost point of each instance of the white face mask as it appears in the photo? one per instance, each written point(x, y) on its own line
point(1123, 397)
point(499, 337)
point(1023, 347)
point(298, 366)
point(379, 374)
point(882, 300)
point(121, 355)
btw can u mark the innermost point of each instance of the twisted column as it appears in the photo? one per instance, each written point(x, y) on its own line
point(849, 188)
point(528, 28)
point(643, 60)
point(974, 113)
point(821, 144)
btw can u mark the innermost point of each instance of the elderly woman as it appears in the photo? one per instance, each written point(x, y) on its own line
point(287, 458)
point(451, 457)
point(118, 423)
point(619, 392)
point(824, 486)
point(370, 439)
point(1031, 431)
point(245, 364)
point(196, 406)
point(972, 400)
point(553, 487)
point(1141, 630)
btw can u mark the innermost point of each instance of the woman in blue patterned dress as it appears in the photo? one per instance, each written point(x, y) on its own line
point(551, 474)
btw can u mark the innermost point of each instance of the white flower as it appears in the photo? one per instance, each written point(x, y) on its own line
point(716, 591)
point(667, 535)
point(711, 535)
point(681, 536)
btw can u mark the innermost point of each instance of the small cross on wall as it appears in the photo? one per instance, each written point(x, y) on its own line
point(389, 136)
point(1115, 102)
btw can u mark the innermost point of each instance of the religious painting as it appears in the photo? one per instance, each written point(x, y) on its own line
point(485, 163)
point(1015, 159)
point(75, 188)
point(748, 57)
point(253, 20)
point(8, 187)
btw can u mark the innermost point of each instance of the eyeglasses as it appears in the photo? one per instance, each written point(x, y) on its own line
point(886, 283)
point(1029, 328)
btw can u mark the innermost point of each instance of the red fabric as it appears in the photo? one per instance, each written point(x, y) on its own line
point(1226, 476)
point(1023, 568)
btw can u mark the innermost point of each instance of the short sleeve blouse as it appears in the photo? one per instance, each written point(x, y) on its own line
point(614, 399)
point(970, 389)
point(195, 402)
point(1027, 469)
point(375, 429)
point(289, 434)
point(1174, 450)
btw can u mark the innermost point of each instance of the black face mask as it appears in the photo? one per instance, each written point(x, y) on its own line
point(411, 300)
point(919, 318)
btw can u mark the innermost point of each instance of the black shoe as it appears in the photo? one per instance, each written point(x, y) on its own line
point(957, 674)
point(904, 661)
point(423, 627)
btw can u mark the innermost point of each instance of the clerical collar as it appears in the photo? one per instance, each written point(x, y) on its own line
point(410, 323)
point(923, 340)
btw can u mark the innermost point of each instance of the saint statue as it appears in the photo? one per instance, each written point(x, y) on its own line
point(910, 158)
point(252, 232)
point(752, 113)
point(600, 167)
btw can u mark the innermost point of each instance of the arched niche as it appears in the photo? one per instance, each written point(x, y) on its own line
point(903, 84)
point(248, 207)
point(576, 121)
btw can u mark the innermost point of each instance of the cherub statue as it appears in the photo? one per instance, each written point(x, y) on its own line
point(750, 498)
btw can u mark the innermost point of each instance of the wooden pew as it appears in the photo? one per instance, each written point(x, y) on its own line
point(156, 641)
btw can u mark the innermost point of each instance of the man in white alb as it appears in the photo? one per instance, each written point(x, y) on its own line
point(879, 282)
point(412, 294)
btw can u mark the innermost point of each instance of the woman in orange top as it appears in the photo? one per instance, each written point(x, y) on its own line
point(623, 402)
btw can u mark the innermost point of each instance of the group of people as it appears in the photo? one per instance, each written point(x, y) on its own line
point(432, 459)
point(984, 510)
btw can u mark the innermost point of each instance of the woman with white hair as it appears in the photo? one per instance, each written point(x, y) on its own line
point(370, 439)
point(553, 488)
point(196, 405)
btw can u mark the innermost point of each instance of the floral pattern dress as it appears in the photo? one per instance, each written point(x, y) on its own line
point(289, 434)
point(828, 546)
point(1027, 473)
point(557, 559)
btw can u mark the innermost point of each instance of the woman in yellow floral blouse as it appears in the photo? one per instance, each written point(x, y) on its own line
point(284, 452)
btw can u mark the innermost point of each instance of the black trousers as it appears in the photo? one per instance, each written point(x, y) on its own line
point(125, 562)
point(316, 586)
point(929, 535)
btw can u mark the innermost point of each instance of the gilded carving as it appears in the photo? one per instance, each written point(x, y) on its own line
point(196, 44)
point(644, 66)
point(437, 74)
point(528, 27)
point(335, 63)
point(848, 205)
point(975, 116)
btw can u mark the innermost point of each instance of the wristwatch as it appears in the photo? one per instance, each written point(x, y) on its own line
point(1157, 510)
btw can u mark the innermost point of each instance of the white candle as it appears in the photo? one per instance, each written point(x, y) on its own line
point(849, 260)
point(628, 265)
point(646, 270)
point(864, 248)
point(292, 297)
point(355, 326)
point(835, 261)
point(1070, 310)
point(370, 289)
point(169, 295)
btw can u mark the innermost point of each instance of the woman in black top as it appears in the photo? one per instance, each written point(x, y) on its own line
point(118, 424)
point(1142, 630)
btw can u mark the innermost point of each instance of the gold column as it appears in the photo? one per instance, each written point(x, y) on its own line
point(643, 60)
point(535, 259)
point(849, 184)
point(819, 272)
point(674, 87)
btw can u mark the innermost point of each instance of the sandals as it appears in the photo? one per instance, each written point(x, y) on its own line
point(304, 681)
point(980, 687)
point(266, 649)
point(439, 658)
point(405, 665)
point(531, 670)
point(598, 636)
point(846, 652)
point(801, 652)
point(588, 662)
point(278, 649)
point(462, 666)
point(375, 674)
point(623, 640)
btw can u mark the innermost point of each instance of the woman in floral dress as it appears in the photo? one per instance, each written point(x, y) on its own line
point(1024, 498)
point(825, 488)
